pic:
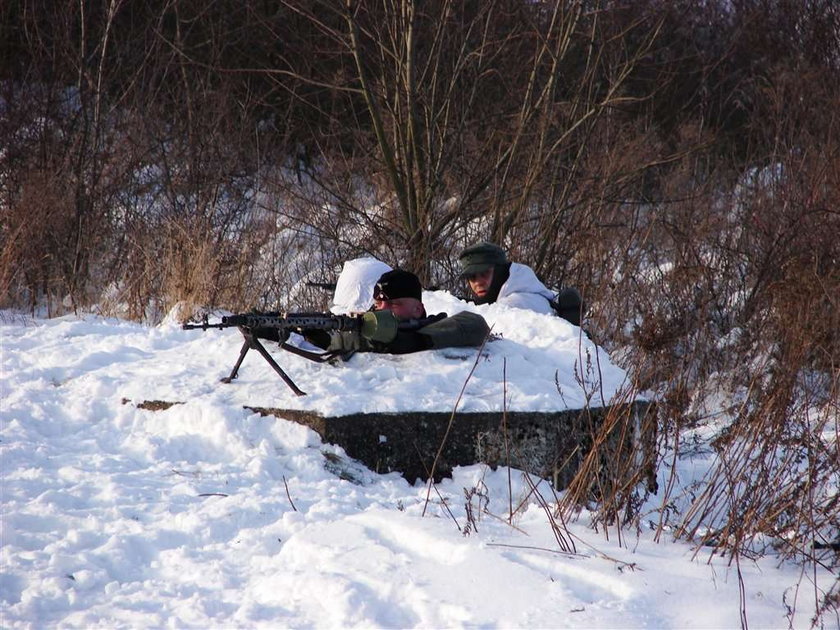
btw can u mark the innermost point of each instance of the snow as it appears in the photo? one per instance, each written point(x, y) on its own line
point(206, 515)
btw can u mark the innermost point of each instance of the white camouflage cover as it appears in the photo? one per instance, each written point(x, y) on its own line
point(354, 288)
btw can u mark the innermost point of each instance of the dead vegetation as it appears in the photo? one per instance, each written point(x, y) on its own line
point(678, 162)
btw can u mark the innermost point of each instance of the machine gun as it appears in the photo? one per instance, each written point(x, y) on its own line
point(376, 325)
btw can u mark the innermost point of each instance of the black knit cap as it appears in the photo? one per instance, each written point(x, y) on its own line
point(396, 284)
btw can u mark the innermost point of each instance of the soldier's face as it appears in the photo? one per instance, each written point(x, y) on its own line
point(480, 282)
point(402, 308)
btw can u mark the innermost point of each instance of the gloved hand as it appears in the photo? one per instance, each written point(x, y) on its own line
point(378, 330)
point(345, 341)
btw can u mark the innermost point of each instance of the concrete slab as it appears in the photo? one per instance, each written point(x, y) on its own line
point(551, 445)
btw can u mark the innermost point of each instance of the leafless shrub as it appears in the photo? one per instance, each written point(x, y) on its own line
point(676, 161)
point(34, 230)
point(618, 469)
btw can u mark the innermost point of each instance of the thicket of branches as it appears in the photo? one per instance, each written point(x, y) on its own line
point(678, 161)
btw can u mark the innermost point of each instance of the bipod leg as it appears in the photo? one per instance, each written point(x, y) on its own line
point(252, 342)
point(256, 345)
point(245, 347)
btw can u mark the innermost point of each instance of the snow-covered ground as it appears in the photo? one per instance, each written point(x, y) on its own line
point(205, 515)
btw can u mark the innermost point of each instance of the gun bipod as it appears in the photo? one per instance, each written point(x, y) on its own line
point(251, 342)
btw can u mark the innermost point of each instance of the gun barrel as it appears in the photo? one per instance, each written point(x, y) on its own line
point(201, 326)
point(320, 321)
point(238, 320)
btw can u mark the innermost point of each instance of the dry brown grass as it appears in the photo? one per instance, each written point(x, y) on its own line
point(693, 201)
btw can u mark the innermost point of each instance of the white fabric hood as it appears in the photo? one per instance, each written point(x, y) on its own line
point(354, 288)
point(524, 290)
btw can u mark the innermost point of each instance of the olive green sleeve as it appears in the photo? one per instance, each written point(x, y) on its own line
point(460, 330)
